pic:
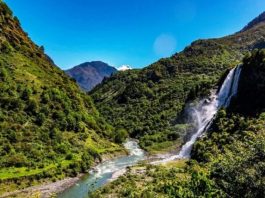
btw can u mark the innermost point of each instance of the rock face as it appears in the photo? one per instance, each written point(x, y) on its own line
point(250, 100)
point(90, 74)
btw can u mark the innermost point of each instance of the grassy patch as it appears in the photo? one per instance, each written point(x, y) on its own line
point(163, 147)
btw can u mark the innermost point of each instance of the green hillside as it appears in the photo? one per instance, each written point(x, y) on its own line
point(48, 127)
point(227, 162)
point(149, 102)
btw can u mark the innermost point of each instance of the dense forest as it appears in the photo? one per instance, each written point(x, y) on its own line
point(48, 127)
point(149, 103)
point(227, 162)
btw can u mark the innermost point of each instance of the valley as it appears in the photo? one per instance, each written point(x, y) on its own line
point(190, 125)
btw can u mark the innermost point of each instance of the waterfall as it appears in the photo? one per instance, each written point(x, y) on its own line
point(203, 113)
point(229, 87)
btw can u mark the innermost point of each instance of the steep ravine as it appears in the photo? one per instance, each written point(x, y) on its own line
point(202, 113)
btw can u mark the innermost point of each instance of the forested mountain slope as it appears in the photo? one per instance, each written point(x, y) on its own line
point(234, 148)
point(48, 127)
point(229, 161)
point(149, 102)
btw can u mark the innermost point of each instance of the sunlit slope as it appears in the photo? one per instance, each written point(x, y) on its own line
point(227, 161)
point(48, 127)
point(149, 102)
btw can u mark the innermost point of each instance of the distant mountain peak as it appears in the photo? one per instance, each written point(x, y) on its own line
point(258, 20)
point(97, 62)
point(94, 64)
point(90, 74)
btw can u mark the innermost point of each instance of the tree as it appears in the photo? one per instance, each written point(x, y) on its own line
point(3, 74)
point(121, 135)
point(26, 94)
point(42, 48)
point(40, 118)
point(32, 106)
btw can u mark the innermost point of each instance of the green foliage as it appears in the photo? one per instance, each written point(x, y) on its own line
point(231, 164)
point(47, 125)
point(149, 109)
point(26, 94)
point(227, 162)
point(234, 148)
point(168, 182)
point(151, 101)
point(3, 74)
point(234, 153)
point(252, 84)
point(50, 129)
point(120, 136)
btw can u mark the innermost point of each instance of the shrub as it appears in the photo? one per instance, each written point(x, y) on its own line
point(3, 74)
point(26, 94)
point(17, 160)
point(69, 156)
point(40, 118)
point(121, 135)
point(32, 106)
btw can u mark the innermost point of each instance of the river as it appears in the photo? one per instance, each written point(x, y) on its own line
point(201, 115)
point(105, 172)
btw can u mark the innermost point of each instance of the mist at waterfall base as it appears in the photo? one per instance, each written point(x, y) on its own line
point(202, 113)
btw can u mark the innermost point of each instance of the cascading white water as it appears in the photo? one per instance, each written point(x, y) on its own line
point(229, 87)
point(203, 113)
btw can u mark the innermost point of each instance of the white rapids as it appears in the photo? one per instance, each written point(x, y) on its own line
point(106, 172)
point(203, 113)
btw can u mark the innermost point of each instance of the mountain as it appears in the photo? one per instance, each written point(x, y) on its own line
point(233, 150)
point(49, 129)
point(255, 22)
point(227, 161)
point(90, 74)
point(150, 103)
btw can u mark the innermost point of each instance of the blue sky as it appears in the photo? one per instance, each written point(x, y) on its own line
point(131, 32)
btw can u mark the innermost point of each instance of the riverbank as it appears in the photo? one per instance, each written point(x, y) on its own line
point(45, 190)
point(142, 179)
point(49, 189)
point(106, 172)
